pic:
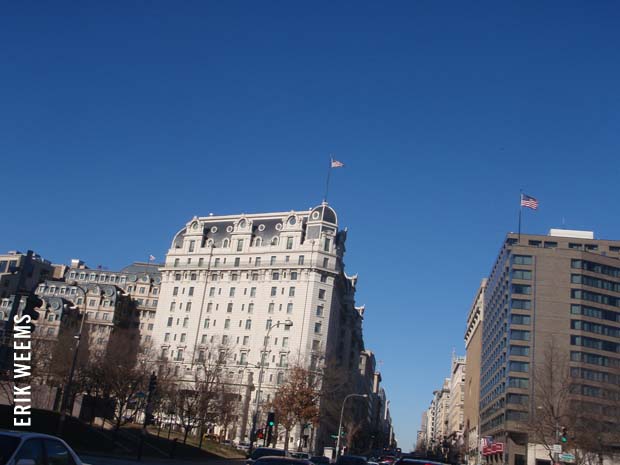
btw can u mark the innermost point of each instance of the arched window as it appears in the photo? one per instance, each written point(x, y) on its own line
point(257, 242)
point(274, 241)
point(225, 243)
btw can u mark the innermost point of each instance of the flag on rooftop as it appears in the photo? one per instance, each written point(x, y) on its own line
point(337, 164)
point(529, 202)
point(151, 258)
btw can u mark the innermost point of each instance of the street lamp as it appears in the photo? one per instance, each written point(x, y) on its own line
point(78, 337)
point(287, 324)
point(365, 396)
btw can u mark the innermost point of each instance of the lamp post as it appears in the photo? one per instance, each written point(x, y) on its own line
point(365, 396)
point(78, 337)
point(287, 324)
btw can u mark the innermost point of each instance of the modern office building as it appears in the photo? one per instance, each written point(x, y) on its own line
point(473, 348)
point(561, 289)
point(229, 284)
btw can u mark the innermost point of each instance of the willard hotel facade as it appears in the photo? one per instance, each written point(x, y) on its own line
point(228, 279)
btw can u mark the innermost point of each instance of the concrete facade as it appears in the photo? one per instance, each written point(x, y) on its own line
point(563, 288)
point(228, 280)
point(473, 347)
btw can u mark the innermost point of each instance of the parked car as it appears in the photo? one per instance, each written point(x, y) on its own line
point(22, 448)
point(244, 446)
point(320, 460)
point(264, 452)
point(300, 455)
point(271, 460)
point(416, 461)
point(351, 460)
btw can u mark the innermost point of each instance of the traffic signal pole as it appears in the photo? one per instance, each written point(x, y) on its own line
point(147, 413)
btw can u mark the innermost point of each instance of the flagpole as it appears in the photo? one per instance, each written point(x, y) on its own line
point(520, 210)
point(329, 172)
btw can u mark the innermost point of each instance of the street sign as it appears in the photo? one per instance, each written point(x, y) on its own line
point(567, 458)
point(556, 448)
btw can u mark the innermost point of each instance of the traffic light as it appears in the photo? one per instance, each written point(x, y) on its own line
point(259, 434)
point(152, 382)
point(271, 419)
point(564, 435)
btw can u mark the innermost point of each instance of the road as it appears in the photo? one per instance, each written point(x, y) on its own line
point(98, 460)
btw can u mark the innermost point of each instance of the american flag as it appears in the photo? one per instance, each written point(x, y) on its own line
point(529, 202)
point(486, 441)
point(151, 258)
point(336, 164)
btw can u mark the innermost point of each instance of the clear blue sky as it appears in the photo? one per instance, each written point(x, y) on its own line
point(119, 121)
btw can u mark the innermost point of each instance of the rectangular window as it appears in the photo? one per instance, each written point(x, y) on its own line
point(201, 261)
point(167, 337)
point(229, 308)
point(521, 351)
point(272, 261)
point(231, 292)
point(169, 321)
point(183, 336)
point(172, 306)
point(190, 291)
point(522, 367)
point(521, 259)
point(293, 275)
point(327, 244)
point(316, 345)
point(522, 274)
point(322, 294)
point(246, 340)
point(227, 323)
point(188, 306)
point(289, 308)
point(268, 324)
point(521, 304)
point(248, 324)
point(521, 289)
point(271, 307)
point(274, 291)
point(326, 262)
point(207, 321)
point(291, 292)
point(192, 245)
point(519, 335)
point(211, 292)
point(289, 243)
point(257, 261)
point(300, 260)
point(317, 328)
point(239, 249)
point(319, 310)
point(252, 292)
point(275, 275)
point(522, 383)
point(520, 319)
point(185, 322)
point(250, 308)
point(175, 290)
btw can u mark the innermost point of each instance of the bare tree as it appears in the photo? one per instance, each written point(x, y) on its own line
point(593, 428)
point(552, 386)
point(296, 401)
